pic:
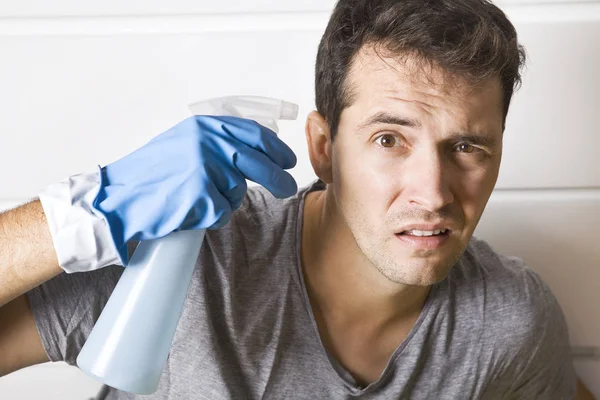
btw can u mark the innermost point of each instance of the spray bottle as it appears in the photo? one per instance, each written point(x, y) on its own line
point(130, 343)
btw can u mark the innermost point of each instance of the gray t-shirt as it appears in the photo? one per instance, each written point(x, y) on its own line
point(491, 330)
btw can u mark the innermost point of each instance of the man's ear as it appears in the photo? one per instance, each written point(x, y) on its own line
point(318, 139)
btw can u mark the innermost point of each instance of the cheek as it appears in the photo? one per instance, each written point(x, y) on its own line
point(363, 187)
point(473, 190)
point(357, 170)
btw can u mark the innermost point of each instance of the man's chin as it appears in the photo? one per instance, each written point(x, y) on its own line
point(420, 271)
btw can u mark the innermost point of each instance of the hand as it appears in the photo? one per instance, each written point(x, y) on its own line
point(192, 176)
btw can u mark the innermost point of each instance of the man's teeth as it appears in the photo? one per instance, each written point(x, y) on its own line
point(416, 232)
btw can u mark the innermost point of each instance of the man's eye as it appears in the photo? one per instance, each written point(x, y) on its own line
point(387, 141)
point(466, 148)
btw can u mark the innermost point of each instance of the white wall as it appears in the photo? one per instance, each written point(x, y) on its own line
point(85, 82)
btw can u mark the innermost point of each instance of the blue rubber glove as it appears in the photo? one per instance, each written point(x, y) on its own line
point(191, 177)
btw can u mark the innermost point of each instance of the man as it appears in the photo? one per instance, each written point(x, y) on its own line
point(367, 284)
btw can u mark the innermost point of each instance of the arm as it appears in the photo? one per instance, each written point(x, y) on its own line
point(27, 259)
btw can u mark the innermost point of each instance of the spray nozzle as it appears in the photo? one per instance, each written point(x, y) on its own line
point(264, 110)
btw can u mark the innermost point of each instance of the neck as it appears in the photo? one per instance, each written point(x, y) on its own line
point(341, 281)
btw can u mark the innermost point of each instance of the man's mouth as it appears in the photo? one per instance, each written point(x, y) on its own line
point(424, 240)
point(416, 232)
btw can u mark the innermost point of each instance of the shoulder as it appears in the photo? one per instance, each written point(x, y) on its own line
point(524, 335)
point(505, 277)
point(261, 209)
point(261, 212)
point(262, 224)
point(260, 205)
point(257, 247)
point(516, 302)
point(524, 332)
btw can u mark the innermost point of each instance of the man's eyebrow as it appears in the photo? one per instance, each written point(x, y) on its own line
point(387, 118)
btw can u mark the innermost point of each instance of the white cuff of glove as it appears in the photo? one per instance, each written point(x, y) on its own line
point(80, 233)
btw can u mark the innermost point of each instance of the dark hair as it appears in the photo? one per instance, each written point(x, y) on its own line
point(468, 38)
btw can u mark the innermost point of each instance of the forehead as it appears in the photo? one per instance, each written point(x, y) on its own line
point(377, 81)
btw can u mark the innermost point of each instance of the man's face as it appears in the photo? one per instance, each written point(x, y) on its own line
point(415, 152)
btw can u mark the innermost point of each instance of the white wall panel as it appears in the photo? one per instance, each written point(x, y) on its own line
point(59, 8)
point(71, 102)
point(552, 138)
point(27, 8)
point(162, 24)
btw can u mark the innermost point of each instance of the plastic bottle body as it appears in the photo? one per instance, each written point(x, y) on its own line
point(130, 342)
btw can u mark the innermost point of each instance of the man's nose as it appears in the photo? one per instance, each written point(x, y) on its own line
point(426, 181)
